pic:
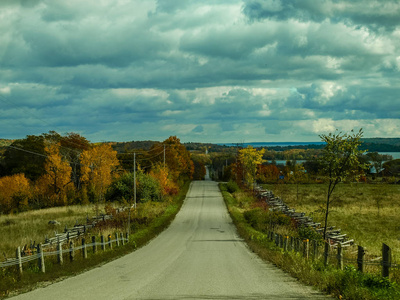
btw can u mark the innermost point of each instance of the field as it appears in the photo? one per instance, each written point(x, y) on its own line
point(33, 226)
point(367, 213)
point(20, 229)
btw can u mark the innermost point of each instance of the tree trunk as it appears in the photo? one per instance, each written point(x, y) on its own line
point(327, 208)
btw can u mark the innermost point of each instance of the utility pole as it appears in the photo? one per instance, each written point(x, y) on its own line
point(134, 178)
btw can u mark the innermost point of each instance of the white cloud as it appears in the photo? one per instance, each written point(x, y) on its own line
point(216, 70)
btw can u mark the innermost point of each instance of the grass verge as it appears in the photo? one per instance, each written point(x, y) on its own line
point(347, 284)
point(11, 283)
point(367, 213)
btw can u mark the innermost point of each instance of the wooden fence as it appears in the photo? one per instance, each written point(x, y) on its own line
point(336, 249)
point(330, 254)
point(40, 254)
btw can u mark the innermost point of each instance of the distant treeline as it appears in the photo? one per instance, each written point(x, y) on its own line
point(370, 144)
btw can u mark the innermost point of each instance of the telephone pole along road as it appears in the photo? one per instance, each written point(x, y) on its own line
point(200, 256)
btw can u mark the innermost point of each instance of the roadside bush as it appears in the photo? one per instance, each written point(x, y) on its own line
point(255, 217)
point(309, 233)
point(260, 219)
point(232, 187)
point(147, 188)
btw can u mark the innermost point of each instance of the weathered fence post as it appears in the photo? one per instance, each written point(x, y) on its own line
point(94, 245)
point(109, 241)
point(59, 254)
point(326, 253)
point(306, 248)
point(116, 239)
point(315, 249)
point(103, 244)
point(84, 250)
point(360, 259)
point(122, 238)
point(127, 237)
point(18, 256)
point(71, 251)
point(291, 247)
point(285, 243)
point(42, 267)
point(340, 256)
point(386, 260)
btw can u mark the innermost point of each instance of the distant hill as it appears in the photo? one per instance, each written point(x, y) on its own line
point(381, 144)
point(122, 147)
point(384, 141)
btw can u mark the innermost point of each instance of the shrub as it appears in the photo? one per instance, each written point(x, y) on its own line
point(232, 187)
point(147, 188)
point(309, 233)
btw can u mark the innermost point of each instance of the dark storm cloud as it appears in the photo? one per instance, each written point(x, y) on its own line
point(217, 70)
point(371, 13)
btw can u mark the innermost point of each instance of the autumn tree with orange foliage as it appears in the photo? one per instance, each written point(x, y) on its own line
point(177, 159)
point(15, 192)
point(53, 184)
point(161, 174)
point(268, 173)
point(97, 166)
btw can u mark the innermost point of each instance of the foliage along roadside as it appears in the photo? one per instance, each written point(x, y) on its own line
point(53, 170)
point(12, 283)
point(347, 284)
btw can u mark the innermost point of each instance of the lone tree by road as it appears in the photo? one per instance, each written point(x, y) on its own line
point(250, 159)
point(340, 161)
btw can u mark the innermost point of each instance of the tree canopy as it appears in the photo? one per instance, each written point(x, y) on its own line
point(250, 158)
point(340, 161)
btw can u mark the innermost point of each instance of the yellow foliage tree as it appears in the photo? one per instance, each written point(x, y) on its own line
point(54, 182)
point(161, 174)
point(250, 158)
point(15, 191)
point(97, 167)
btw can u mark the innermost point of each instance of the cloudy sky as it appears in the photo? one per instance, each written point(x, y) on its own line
point(205, 71)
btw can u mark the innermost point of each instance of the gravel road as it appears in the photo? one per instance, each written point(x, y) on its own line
point(199, 256)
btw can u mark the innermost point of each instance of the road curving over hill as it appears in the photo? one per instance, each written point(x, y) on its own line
point(200, 256)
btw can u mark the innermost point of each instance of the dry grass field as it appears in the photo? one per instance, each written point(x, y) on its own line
point(20, 229)
point(367, 213)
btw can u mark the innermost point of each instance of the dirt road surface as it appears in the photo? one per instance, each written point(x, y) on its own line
point(200, 256)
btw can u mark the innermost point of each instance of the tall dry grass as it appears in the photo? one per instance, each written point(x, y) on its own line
point(24, 228)
point(367, 213)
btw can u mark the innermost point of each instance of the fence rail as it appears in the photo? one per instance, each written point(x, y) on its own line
point(41, 253)
point(334, 247)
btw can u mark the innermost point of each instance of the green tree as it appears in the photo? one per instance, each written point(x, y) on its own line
point(340, 161)
point(26, 156)
point(250, 158)
point(122, 188)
